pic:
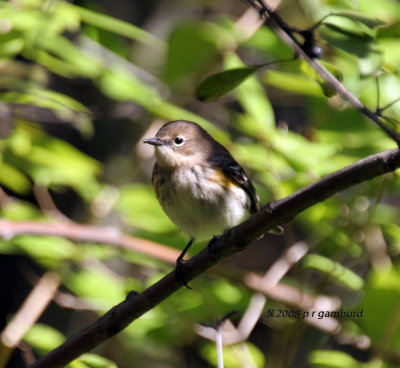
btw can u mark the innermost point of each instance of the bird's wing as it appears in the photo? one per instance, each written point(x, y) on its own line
point(238, 175)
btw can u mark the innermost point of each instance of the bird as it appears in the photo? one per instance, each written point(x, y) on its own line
point(198, 184)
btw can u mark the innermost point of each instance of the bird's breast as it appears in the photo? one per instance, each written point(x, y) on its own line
point(201, 201)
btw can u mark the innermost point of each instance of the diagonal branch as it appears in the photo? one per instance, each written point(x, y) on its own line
point(232, 241)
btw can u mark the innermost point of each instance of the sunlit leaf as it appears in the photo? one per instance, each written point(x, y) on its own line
point(337, 272)
point(47, 250)
point(233, 355)
point(20, 210)
point(292, 82)
point(265, 40)
point(191, 47)
point(381, 301)
point(334, 359)
point(10, 44)
point(14, 179)
point(90, 360)
point(227, 292)
point(115, 25)
point(97, 286)
point(349, 26)
point(43, 337)
point(82, 64)
point(353, 44)
point(39, 156)
point(64, 107)
point(253, 99)
point(342, 3)
point(362, 18)
point(326, 88)
point(139, 206)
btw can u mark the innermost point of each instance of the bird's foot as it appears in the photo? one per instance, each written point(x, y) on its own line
point(180, 265)
point(180, 272)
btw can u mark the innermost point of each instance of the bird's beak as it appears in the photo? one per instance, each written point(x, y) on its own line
point(154, 141)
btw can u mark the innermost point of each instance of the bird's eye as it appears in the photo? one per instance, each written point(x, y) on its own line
point(178, 141)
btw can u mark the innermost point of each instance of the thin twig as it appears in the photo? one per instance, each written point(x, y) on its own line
point(390, 104)
point(28, 314)
point(86, 233)
point(46, 203)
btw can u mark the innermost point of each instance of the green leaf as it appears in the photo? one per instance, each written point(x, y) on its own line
point(227, 292)
point(370, 65)
point(192, 49)
point(326, 88)
point(292, 82)
point(6, 247)
point(39, 156)
point(11, 44)
point(81, 64)
point(333, 359)
point(342, 3)
point(349, 27)
point(97, 285)
point(43, 98)
point(220, 84)
point(253, 99)
point(139, 207)
point(43, 337)
point(234, 355)
point(14, 179)
point(19, 210)
point(266, 41)
point(381, 303)
point(351, 43)
point(48, 250)
point(368, 21)
point(334, 270)
point(118, 26)
point(60, 99)
point(64, 107)
point(90, 360)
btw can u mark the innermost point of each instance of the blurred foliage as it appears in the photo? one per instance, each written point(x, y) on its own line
point(80, 87)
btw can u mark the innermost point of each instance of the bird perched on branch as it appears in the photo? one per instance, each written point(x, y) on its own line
point(199, 185)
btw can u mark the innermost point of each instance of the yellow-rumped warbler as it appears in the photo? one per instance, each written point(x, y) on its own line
point(199, 185)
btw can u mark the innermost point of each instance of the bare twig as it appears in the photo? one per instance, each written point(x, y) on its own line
point(232, 241)
point(46, 203)
point(27, 315)
point(76, 232)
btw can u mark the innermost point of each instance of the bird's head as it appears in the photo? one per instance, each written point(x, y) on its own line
point(181, 143)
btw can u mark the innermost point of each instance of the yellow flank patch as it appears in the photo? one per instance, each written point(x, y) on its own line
point(223, 179)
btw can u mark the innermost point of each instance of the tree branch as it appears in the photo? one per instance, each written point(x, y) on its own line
point(232, 241)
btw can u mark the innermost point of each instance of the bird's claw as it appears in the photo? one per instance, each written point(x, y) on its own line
point(179, 272)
